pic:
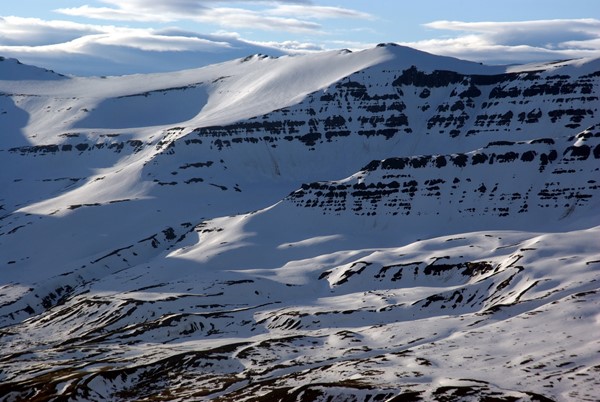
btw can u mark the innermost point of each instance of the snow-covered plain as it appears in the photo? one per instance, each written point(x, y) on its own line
point(378, 225)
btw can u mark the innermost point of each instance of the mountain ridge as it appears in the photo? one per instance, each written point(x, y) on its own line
point(332, 225)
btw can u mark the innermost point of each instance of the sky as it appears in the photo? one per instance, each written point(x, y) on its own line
point(113, 37)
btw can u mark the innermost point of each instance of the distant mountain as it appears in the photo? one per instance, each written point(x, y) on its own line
point(378, 225)
point(14, 70)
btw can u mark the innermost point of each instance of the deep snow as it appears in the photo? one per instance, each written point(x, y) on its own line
point(297, 227)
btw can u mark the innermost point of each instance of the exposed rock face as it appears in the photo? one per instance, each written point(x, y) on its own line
point(542, 177)
point(392, 104)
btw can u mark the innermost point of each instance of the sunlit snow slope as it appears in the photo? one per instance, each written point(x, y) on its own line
point(378, 225)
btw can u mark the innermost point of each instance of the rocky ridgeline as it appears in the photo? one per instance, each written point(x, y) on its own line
point(80, 147)
point(394, 104)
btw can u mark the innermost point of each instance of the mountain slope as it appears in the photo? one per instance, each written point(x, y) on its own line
point(378, 224)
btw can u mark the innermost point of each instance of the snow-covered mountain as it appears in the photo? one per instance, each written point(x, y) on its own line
point(377, 225)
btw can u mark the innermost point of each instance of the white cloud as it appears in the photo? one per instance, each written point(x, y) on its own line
point(294, 16)
point(37, 32)
point(114, 14)
point(351, 45)
point(317, 12)
point(591, 45)
point(243, 18)
point(541, 33)
point(151, 42)
point(293, 47)
point(159, 6)
point(514, 42)
point(222, 16)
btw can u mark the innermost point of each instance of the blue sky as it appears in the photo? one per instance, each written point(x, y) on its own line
point(125, 36)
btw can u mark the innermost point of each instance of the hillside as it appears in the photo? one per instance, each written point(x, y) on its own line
point(355, 225)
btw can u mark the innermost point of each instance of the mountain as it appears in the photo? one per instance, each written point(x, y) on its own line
point(377, 225)
point(14, 70)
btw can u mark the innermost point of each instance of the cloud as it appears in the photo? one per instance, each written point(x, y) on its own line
point(351, 45)
point(159, 6)
point(514, 42)
point(288, 16)
point(293, 47)
point(318, 12)
point(222, 16)
point(114, 14)
point(243, 18)
point(82, 49)
point(542, 33)
point(37, 32)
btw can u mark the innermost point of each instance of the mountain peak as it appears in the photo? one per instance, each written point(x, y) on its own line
point(14, 70)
